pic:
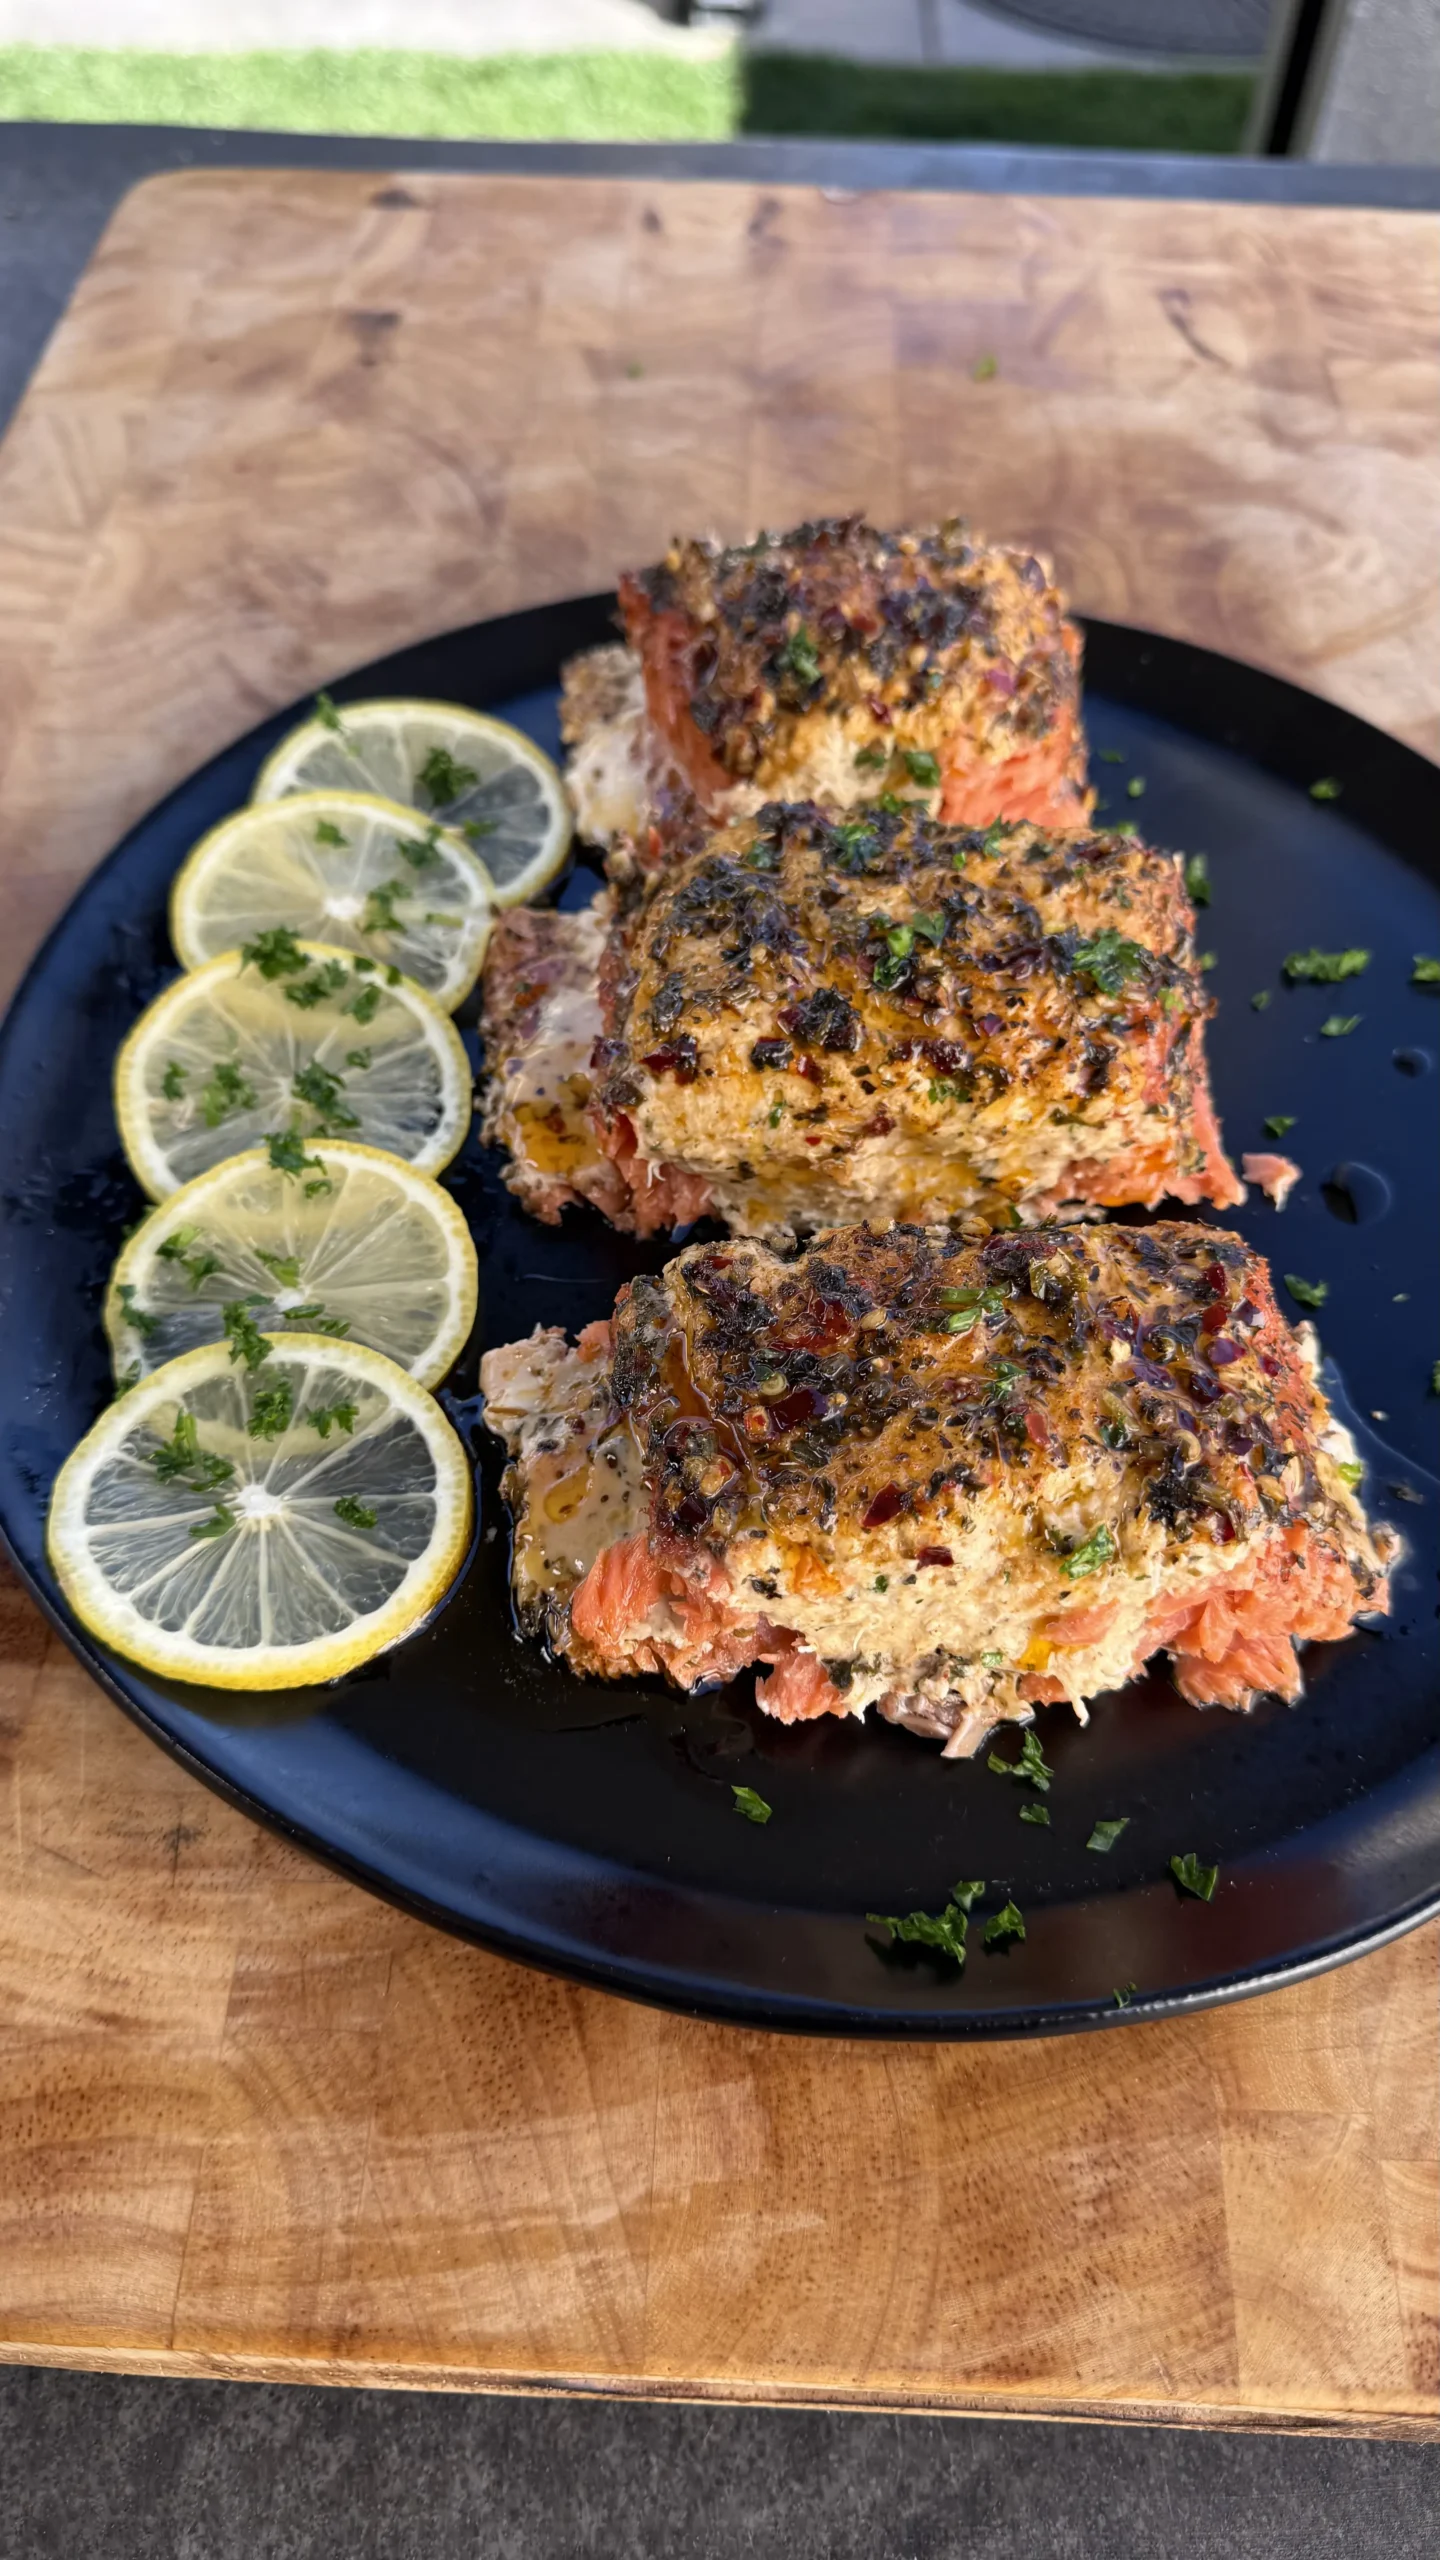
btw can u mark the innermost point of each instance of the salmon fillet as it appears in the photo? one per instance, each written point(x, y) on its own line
point(819, 1020)
point(836, 663)
point(948, 1481)
point(540, 992)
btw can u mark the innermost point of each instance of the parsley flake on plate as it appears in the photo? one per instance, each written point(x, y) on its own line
point(1324, 968)
point(1336, 1025)
point(1105, 1834)
point(1032, 1766)
point(1277, 1123)
point(984, 368)
point(1192, 1877)
point(1327, 788)
point(1135, 787)
point(1124, 1993)
point(443, 779)
point(753, 1806)
point(1035, 1813)
point(1426, 972)
point(1307, 1293)
point(1197, 879)
point(1260, 1001)
point(1003, 1925)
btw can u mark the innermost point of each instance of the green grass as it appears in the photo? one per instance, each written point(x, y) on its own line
point(623, 97)
point(816, 93)
point(569, 97)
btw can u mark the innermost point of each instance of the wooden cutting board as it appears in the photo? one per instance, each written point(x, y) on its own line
point(253, 2123)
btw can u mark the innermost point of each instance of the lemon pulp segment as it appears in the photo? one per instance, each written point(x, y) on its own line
point(357, 873)
point(382, 1256)
point(228, 1057)
point(262, 1528)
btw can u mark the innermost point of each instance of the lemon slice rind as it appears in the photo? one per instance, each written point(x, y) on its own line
point(158, 1307)
point(106, 1503)
point(518, 797)
point(317, 861)
point(188, 1023)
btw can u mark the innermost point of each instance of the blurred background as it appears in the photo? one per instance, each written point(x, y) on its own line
point(1355, 80)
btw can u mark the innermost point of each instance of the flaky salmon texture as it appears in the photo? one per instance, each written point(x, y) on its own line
point(952, 1482)
point(803, 1020)
point(834, 662)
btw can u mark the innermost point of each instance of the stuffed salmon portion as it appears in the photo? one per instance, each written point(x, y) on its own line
point(806, 1020)
point(948, 1481)
point(835, 663)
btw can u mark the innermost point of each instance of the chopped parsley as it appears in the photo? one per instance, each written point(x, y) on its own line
point(776, 1114)
point(1260, 1001)
point(1207, 960)
point(356, 1515)
point(379, 915)
point(1194, 1878)
point(173, 1081)
point(225, 1092)
point(313, 1319)
point(1336, 1025)
point(276, 953)
point(1004, 1924)
point(882, 1580)
point(321, 1088)
point(753, 1806)
point(1098, 1549)
point(967, 1306)
point(1307, 1293)
point(1124, 1994)
point(442, 779)
point(357, 1058)
point(1109, 959)
point(800, 658)
point(272, 1411)
point(992, 1661)
point(930, 926)
point(1324, 968)
point(421, 855)
point(1035, 1813)
point(328, 980)
point(1327, 788)
point(1135, 787)
point(1351, 1471)
point(219, 1521)
point(1197, 880)
point(325, 833)
point(1112, 755)
point(326, 1418)
point(872, 759)
point(944, 1930)
point(475, 828)
point(1032, 1767)
point(948, 1089)
point(984, 368)
point(287, 1155)
point(1426, 972)
point(181, 1460)
point(284, 1267)
point(365, 1006)
point(136, 1318)
point(328, 716)
point(196, 1266)
point(921, 766)
point(1277, 1123)
point(1105, 1834)
point(243, 1334)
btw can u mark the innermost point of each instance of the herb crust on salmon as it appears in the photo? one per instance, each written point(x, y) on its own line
point(947, 1480)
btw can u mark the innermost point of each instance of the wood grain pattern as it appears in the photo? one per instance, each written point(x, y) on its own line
point(252, 2122)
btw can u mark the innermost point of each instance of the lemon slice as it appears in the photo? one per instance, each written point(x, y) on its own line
point(297, 1041)
point(471, 772)
point(262, 1527)
point(363, 874)
point(381, 1256)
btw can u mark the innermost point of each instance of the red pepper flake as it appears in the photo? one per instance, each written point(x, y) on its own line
point(1037, 1429)
point(1215, 1280)
point(1223, 1351)
point(1213, 1319)
point(817, 1327)
point(879, 1127)
point(1222, 1528)
point(1271, 1367)
point(679, 1059)
point(814, 1141)
point(933, 1555)
point(803, 1404)
point(888, 1501)
point(807, 1067)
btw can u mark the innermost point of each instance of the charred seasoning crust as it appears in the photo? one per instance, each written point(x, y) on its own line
point(837, 978)
point(908, 632)
point(896, 1379)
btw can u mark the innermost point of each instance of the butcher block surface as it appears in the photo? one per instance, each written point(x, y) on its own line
point(252, 2122)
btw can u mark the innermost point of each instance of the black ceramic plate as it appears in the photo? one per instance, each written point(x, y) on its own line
point(592, 1830)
